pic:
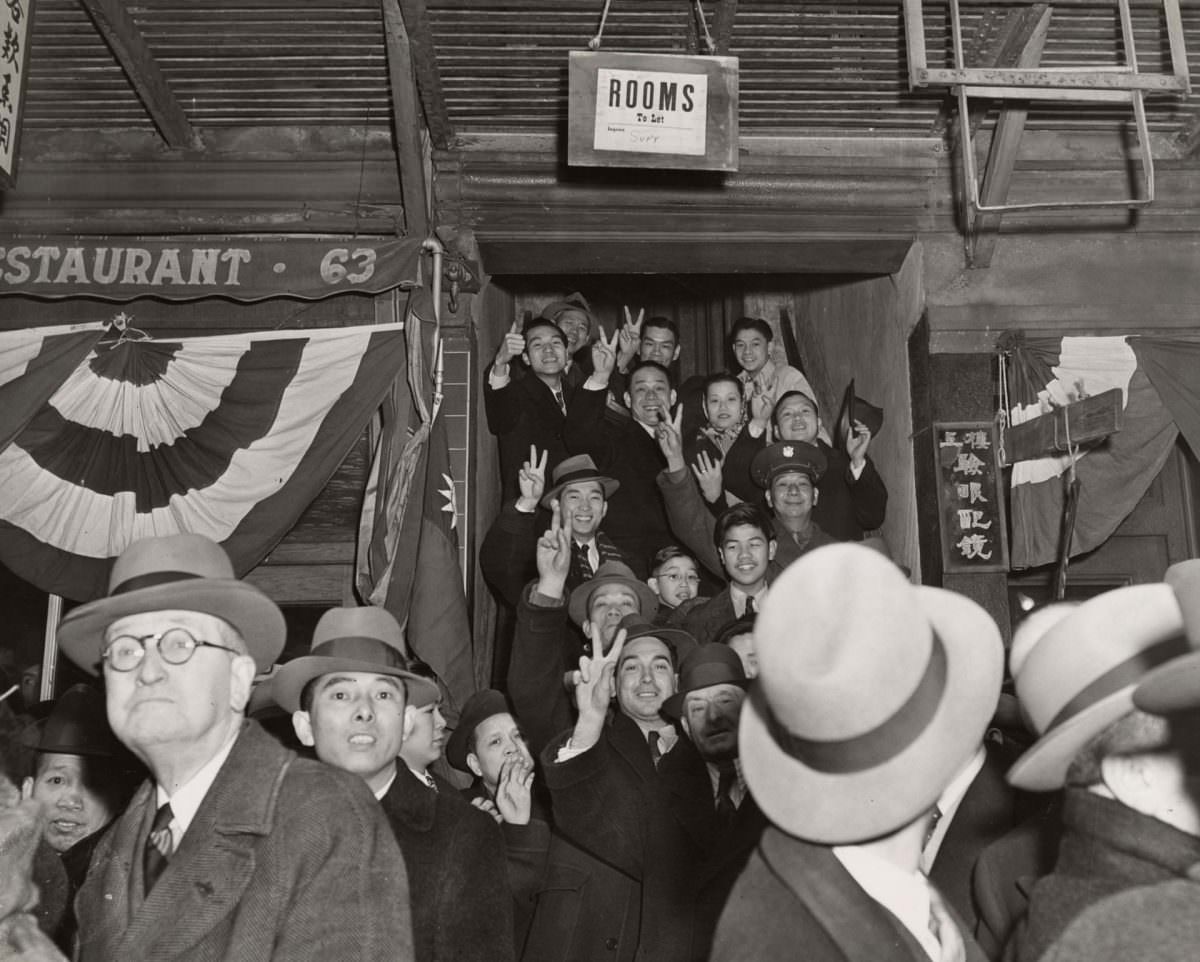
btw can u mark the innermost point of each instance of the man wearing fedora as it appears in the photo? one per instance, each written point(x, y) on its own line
point(852, 494)
point(355, 701)
point(507, 556)
point(544, 644)
point(1112, 690)
point(626, 450)
point(235, 848)
point(528, 410)
point(854, 728)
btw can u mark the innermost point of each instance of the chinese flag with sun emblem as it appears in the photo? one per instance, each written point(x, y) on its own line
point(408, 547)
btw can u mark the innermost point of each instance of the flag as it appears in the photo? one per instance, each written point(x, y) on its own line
point(408, 546)
point(34, 362)
point(1113, 474)
point(229, 436)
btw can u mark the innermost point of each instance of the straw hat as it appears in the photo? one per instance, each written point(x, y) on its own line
point(1176, 686)
point(871, 695)
point(352, 639)
point(188, 572)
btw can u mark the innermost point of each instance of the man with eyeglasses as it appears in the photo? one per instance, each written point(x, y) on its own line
point(237, 848)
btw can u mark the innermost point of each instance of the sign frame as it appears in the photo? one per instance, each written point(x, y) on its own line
point(719, 133)
point(951, 504)
point(16, 31)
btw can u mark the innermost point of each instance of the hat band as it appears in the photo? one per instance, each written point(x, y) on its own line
point(152, 580)
point(883, 742)
point(360, 648)
point(583, 474)
point(1127, 672)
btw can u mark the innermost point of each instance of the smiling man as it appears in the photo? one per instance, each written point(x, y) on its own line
point(356, 702)
point(236, 848)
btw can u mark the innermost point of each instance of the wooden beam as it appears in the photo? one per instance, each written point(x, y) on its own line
point(128, 45)
point(406, 120)
point(1034, 24)
point(723, 28)
point(1055, 433)
point(985, 47)
point(429, 78)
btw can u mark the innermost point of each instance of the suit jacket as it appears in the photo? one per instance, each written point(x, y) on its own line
point(461, 900)
point(521, 413)
point(793, 894)
point(286, 859)
point(848, 506)
point(704, 621)
point(621, 448)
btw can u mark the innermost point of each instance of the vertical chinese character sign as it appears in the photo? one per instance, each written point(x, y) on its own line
point(971, 514)
point(16, 22)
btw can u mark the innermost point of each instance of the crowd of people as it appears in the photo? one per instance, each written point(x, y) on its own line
point(731, 727)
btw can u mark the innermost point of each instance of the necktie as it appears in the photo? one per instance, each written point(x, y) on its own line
point(934, 817)
point(725, 806)
point(158, 847)
point(751, 607)
point(562, 402)
point(583, 561)
point(430, 782)
point(655, 748)
point(953, 949)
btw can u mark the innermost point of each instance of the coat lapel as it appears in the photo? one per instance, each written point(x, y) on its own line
point(409, 802)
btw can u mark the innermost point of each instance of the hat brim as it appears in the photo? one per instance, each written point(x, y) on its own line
point(255, 616)
point(1172, 687)
point(493, 703)
point(289, 681)
point(578, 603)
point(1043, 768)
point(673, 706)
point(842, 808)
point(609, 485)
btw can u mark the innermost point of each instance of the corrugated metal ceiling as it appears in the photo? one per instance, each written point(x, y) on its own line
point(805, 67)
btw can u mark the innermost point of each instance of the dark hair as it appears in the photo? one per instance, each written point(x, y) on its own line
point(536, 322)
point(791, 394)
point(731, 629)
point(756, 324)
point(720, 377)
point(640, 365)
point(670, 553)
point(662, 323)
point(742, 513)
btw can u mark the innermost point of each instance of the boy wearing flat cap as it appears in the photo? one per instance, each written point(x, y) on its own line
point(236, 848)
point(1113, 689)
point(871, 696)
point(355, 701)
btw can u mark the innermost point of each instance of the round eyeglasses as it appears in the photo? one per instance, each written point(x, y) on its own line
point(175, 646)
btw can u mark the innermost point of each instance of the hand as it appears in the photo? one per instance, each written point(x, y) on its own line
point(709, 475)
point(761, 407)
point(604, 356)
point(670, 440)
point(856, 444)
point(554, 555)
point(512, 346)
point(487, 805)
point(595, 686)
point(631, 338)
point(532, 480)
point(514, 791)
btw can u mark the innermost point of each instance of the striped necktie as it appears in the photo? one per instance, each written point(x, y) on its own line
point(158, 847)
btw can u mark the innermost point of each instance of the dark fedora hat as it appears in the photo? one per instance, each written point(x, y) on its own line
point(77, 724)
point(366, 638)
point(189, 572)
point(611, 573)
point(575, 470)
point(784, 457)
point(679, 641)
point(854, 409)
point(707, 665)
point(479, 708)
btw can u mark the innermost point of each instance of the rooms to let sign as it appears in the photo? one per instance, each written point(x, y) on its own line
point(651, 112)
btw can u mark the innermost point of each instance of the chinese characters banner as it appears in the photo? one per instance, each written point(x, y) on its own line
point(16, 20)
point(971, 515)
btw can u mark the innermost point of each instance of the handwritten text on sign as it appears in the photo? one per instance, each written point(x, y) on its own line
point(651, 112)
point(14, 36)
point(971, 502)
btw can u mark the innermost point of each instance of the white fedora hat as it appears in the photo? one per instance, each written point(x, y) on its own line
point(871, 695)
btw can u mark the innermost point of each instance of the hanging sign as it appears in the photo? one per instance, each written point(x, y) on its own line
point(16, 23)
point(971, 514)
point(185, 268)
point(652, 110)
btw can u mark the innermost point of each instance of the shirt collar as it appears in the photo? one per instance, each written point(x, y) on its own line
point(187, 800)
point(904, 894)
